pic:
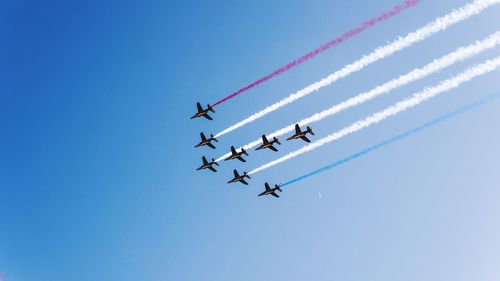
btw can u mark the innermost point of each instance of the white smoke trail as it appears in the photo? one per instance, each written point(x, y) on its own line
point(431, 28)
point(459, 55)
point(414, 100)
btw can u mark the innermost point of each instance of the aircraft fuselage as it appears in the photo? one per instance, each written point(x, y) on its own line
point(297, 136)
point(204, 143)
point(199, 114)
point(234, 156)
point(204, 166)
point(267, 145)
point(269, 192)
point(236, 179)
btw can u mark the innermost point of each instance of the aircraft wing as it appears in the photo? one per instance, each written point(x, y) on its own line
point(264, 139)
point(207, 116)
point(198, 105)
point(212, 168)
point(235, 173)
point(204, 160)
point(297, 129)
point(233, 150)
point(241, 159)
point(203, 138)
point(273, 148)
point(305, 138)
point(275, 195)
point(210, 145)
point(244, 182)
point(267, 186)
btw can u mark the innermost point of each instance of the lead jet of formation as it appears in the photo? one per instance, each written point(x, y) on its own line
point(203, 112)
point(207, 142)
point(299, 134)
point(208, 165)
point(271, 191)
point(240, 178)
point(268, 144)
point(237, 155)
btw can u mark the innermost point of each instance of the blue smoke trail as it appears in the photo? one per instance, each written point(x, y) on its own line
point(398, 137)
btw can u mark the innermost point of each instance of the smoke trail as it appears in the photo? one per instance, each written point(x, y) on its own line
point(431, 28)
point(414, 100)
point(398, 137)
point(396, 10)
point(438, 64)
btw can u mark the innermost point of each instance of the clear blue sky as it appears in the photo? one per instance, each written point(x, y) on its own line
point(97, 177)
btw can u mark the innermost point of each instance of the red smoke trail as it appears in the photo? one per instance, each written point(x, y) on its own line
point(351, 33)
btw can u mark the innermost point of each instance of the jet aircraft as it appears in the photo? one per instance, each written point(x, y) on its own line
point(203, 112)
point(207, 142)
point(268, 144)
point(240, 178)
point(271, 191)
point(237, 155)
point(300, 134)
point(208, 165)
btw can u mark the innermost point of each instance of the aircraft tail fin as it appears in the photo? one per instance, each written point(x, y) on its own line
point(212, 137)
point(278, 188)
point(310, 130)
point(244, 151)
point(276, 140)
point(246, 175)
point(209, 107)
point(215, 163)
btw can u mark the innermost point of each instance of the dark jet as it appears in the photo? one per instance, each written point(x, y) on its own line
point(239, 178)
point(237, 155)
point(271, 191)
point(268, 144)
point(207, 142)
point(300, 134)
point(207, 165)
point(203, 112)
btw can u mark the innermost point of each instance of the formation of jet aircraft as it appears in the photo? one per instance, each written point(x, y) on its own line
point(207, 142)
point(242, 178)
point(203, 112)
point(301, 134)
point(237, 155)
point(268, 144)
point(208, 165)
